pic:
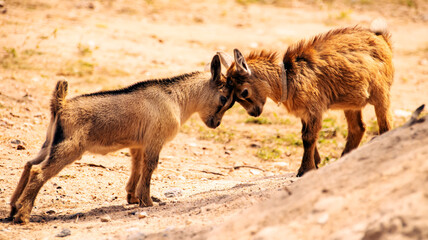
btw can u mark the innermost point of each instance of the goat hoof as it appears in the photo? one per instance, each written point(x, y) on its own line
point(147, 203)
point(301, 172)
point(132, 199)
point(13, 211)
point(20, 219)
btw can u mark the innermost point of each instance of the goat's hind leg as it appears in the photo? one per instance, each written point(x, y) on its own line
point(60, 156)
point(24, 178)
point(137, 162)
point(383, 115)
point(356, 129)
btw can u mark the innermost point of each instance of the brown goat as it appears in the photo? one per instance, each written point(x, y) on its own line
point(342, 69)
point(142, 117)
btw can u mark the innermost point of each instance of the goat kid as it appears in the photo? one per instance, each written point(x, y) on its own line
point(342, 69)
point(142, 117)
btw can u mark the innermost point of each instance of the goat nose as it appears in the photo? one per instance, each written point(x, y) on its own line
point(256, 112)
point(217, 124)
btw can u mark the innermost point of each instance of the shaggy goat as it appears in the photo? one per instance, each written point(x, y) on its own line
point(142, 117)
point(342, 69)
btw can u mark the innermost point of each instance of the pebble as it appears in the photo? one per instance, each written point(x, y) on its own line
point(136, 236)
point(155, 199)
point(106, 218)
point(162, 203)
point(173, 192)
point(323, 218)
point(255, 171)
point(50, 212)
point(20, 147)
point(142, 215)
point(17, 141)
point(64, 233)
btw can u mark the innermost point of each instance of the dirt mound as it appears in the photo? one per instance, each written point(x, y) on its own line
point(378, 191)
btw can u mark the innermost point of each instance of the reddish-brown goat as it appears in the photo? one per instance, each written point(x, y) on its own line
point(342, 69)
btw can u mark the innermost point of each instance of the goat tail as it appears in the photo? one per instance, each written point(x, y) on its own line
point(379, 27)
point(58, 98)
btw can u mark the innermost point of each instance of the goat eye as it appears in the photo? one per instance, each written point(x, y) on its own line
point(223, 100)
point(244, 94)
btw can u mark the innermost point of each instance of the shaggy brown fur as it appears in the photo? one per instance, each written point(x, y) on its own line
point(142, 117)
point(342, 69)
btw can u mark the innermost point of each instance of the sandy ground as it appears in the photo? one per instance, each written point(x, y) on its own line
point(217, 174)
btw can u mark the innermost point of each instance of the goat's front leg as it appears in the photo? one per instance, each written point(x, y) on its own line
point(137, 162)
point(310, 130)
point(150, 162)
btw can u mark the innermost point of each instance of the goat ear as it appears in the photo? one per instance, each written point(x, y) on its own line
point(225, 59)
point(241, 64)
point(216, 70)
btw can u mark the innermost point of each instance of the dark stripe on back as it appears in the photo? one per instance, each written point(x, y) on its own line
point(142, 85)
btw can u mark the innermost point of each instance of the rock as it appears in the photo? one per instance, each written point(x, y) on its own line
point(20, 147)
point(136, 236)
point(155, 199)
point(17, 141)
point(173, 192)
point(323, 218)
point(64, 233)
point(255, 171)
point(50, 212)
point(106, 218)
point(162, 203)
point(255, 145)
point(142, 215)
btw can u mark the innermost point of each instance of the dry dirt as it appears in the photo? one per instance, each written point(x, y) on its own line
point(235, 182)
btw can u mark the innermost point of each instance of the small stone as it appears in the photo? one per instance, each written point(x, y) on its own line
point(173, 192)
point(323, 218)
point(255, 145)
point(255, 171)
point(136, 236)
point(142, 215)
point(16, 141)
point(20, 147)
point(162, 203)
point(50, 212)
point(155, 199)
point(64, 233)
point(106, 218)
